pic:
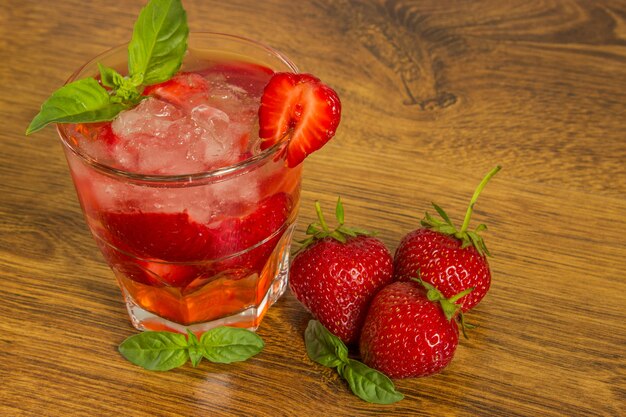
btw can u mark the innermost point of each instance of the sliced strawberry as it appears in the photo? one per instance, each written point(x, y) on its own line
point(240, 233)
point(128, 266)
point(172, 274)
point(106, 135)
point(237, 234)
point(171, 247)
point(100, 131)
point(171, 237)
point(158, 239)
point(302, 108)
point(181, 90)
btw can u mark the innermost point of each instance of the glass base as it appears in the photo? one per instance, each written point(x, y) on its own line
point(249, 318)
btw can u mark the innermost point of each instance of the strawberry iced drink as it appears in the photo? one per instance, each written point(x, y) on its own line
point(191, 212)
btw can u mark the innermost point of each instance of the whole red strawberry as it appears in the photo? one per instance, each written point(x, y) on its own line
point(409, 332)
point(452, 260)
point(337, 272)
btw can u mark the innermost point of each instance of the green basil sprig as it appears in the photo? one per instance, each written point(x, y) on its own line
point(366, 383)
point(159, 41)
point(155, 54)
point(162, 351)
point(80, 101)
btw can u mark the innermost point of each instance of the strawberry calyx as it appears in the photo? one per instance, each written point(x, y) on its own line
point(446, 227)
point(450, 309)
point(320, 230)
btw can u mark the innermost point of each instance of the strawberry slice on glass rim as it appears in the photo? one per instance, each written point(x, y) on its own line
point(300, 109)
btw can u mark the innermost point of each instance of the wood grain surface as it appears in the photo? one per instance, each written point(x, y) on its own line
point(435, 93)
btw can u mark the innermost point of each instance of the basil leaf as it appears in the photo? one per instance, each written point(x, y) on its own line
point(230, 344)
point(324, 347)
point(109, 77)
point(156, 351)
point(159, 41)
point(79, 101)
point(195, 350)
point(369, 384)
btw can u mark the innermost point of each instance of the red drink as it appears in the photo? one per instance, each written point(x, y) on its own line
point(192, 216)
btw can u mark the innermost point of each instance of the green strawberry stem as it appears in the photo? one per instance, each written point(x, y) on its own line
point(320, 230)
point(446, 227)
point(477, 192)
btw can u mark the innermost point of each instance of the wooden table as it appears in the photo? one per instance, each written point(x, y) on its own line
point(435, 94)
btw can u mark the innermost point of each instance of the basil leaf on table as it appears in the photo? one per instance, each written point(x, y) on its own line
point(230, 344)
point(195, 350)
point(369, 384)
point(366, 383)
point(162, 351)
point(159, 41)
point(324, 347)
point(156, 351)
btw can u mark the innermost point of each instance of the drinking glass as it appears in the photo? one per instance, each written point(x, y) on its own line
point(202, 249)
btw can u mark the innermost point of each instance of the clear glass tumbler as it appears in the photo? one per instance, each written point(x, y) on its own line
point(198, 250)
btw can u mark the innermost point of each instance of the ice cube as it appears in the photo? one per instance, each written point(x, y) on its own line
point(211, 119)
point(154, 138)
point(159, 136)
point(152, 117)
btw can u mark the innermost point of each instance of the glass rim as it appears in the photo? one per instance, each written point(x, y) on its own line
point(215, 174)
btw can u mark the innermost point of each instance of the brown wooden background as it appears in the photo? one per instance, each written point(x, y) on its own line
point(435, 93)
